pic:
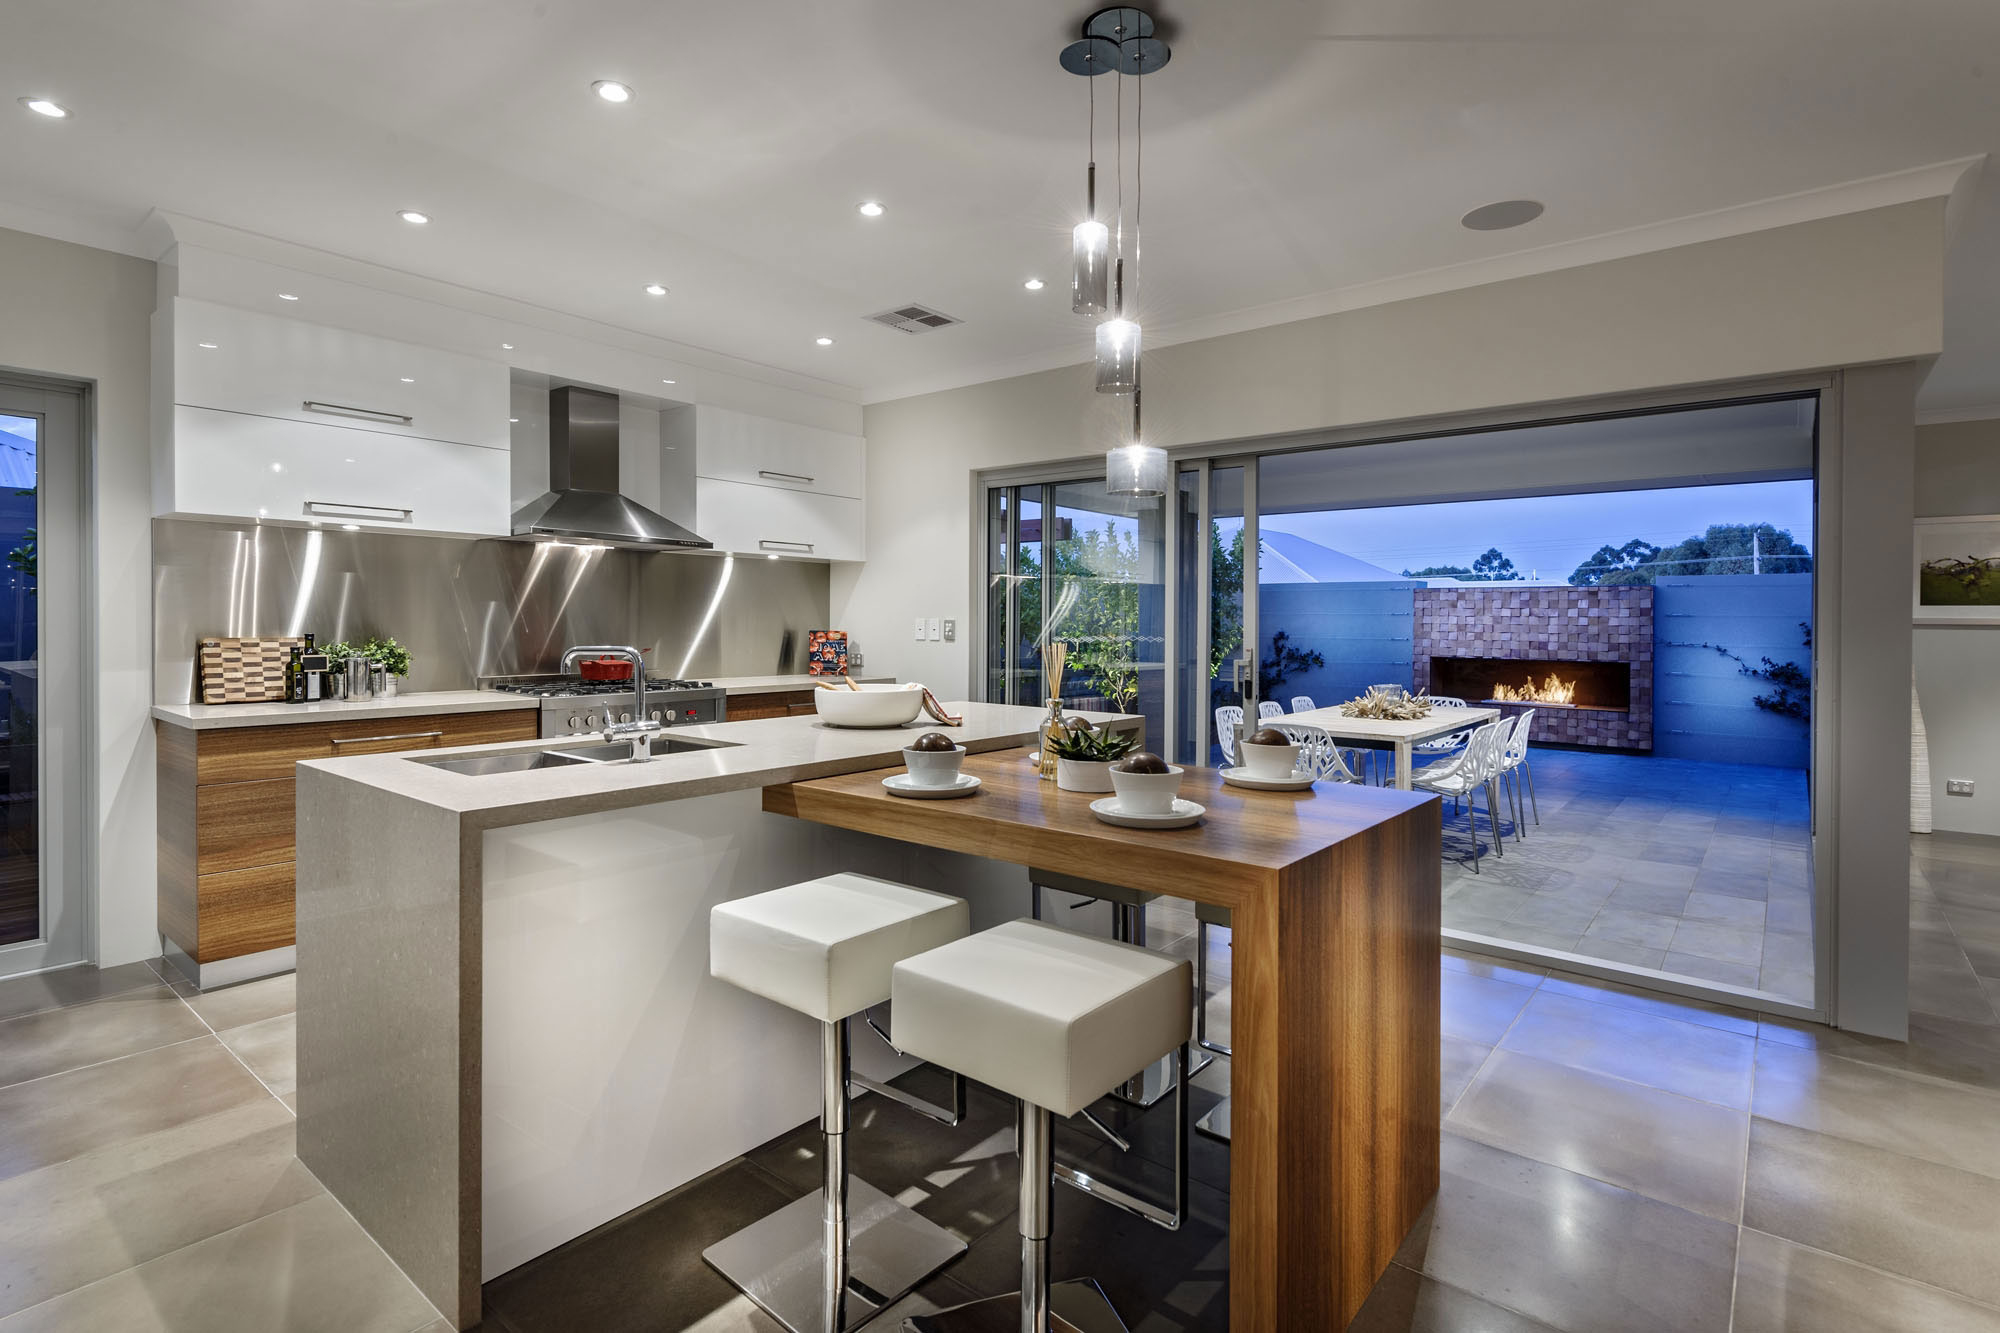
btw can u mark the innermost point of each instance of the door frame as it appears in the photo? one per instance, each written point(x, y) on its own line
point(65, 744)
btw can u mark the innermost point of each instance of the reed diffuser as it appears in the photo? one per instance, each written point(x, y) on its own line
point(1055, 654)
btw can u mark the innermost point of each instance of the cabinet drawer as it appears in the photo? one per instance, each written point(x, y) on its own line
point(761, 520)
point(243, 824)
point(255, 754)
point(230, 464)
point(760, 451)
point(244, 911)
point(274, 367)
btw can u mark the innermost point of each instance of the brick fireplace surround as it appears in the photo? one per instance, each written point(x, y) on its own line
point(1548, 625)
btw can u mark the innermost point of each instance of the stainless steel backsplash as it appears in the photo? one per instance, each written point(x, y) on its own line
point(467, 610)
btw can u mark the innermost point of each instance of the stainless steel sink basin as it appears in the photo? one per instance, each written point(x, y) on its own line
point(601, 752)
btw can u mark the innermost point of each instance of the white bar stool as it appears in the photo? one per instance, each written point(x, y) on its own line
point(833, 1259)
point(1056, 1019)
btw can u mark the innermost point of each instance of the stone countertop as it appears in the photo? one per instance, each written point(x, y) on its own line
point(748, 754)
point(203, 717)
point(784, 684)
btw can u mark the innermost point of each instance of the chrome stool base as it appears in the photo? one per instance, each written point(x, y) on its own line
point(1078, 1306)
point(1216, 1123)
point(779, 1260)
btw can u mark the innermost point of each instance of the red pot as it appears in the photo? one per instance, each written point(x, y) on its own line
point(605, 668)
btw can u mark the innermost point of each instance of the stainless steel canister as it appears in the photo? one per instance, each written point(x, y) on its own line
point(357, 677)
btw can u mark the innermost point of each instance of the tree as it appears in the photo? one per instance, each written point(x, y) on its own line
point(1282, 663)
point(1438, 572)
point(1493, 567)
point(1725, 548)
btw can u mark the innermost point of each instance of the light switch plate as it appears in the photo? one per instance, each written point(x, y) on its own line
point(951, 631)
point(932, 630)
point(1958, 787)
point(920, 629)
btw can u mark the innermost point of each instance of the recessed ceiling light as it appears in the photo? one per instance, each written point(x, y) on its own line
point(1499, 217)
point(655, 289)
point(408, 380)
point(513, 420)
point(611, 90)
point(1033, 284)
point(668, 381)
point(824, 342)
point(871, 209)
point(286, 296)
point(350, 527)
point(413, 217)
point(772, 556)
point(210, 346)
point(42, 106)
point(506, 347)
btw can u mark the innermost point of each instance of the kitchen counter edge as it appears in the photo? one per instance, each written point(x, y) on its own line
point(207, 717)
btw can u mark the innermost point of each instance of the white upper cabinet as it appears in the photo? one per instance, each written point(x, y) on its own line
point(236, 360)
point(761, 451)
point(767, 520)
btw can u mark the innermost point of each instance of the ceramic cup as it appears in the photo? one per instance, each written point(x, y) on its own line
point(1269, 761)
point(1146, 793)
point(934, 768)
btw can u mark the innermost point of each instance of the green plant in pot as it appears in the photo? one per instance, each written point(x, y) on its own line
point(1084, 756)
point(393, 657)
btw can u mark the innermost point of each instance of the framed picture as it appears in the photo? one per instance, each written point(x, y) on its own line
point(1957, 578)
point(826, 652)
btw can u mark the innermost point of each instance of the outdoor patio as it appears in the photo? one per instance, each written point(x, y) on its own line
point(1689, 867)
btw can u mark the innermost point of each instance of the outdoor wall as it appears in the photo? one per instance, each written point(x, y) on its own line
point(1362, 629)
point(1703, 705)
point(1958, 472)
point(84, 314)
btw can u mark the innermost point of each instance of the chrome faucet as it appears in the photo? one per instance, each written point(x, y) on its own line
point(640, 730)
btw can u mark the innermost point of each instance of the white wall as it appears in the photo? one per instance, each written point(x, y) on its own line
point(1958, 472)
point(83, 314)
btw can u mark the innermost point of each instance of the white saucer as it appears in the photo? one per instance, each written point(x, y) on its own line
point(1183, 814)
point(1243, 777)
point(899, 784)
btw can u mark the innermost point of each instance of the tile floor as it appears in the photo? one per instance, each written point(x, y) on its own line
point(1675, 865)
point(1613, 1160)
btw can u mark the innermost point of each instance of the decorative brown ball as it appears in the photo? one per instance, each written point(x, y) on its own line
point(933, 740)
point(1268, 736)
point(1144, 762)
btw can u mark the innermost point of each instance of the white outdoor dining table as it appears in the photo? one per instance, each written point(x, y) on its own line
point(1401, 735)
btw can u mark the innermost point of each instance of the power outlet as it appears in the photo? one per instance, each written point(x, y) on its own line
point(920, 629)
point(1958, 787)
point(932, 631)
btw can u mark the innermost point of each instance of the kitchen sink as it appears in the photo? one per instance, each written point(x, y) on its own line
point(602, 752)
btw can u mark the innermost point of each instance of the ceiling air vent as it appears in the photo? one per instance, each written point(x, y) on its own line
point(915, 319)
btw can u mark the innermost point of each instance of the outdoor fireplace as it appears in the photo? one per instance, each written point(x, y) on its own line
point(1543, 683)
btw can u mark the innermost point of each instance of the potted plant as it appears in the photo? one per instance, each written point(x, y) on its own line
point(1084, 755)
point(393, 658)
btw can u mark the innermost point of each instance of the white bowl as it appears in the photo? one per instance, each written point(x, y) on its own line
point(934, 768)
point(1092, 775)
point(1268, 761)
point(869, 705)
point(1146, 793)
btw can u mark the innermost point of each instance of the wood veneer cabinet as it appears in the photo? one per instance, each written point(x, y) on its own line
point(227, 813)
point(785, 703)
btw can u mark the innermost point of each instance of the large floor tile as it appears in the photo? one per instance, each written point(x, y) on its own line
point(250, 1002)
point(53, 1119)
point(1408, 1302)
point(1667, 1147)
point(1944, 1048)
point(1704, 1063)
point(1501, 969)
point(1622, 925)
point(89, 1217)
point(1459, 1060)
point(306, 1269)
point(1480, 1009)
point(1654, 1002)
point(1701, 968)
point(1903, 1113)
point(1725, 944)
point(40, 1044)
point(70, 985)
point(1918, 1219)
point(270, 1048)
point(1785, 1288)
point(1573, 1252)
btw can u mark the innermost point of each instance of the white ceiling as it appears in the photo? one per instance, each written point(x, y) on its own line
point(1295, 148)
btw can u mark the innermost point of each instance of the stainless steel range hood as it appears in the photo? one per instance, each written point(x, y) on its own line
point(583, 502)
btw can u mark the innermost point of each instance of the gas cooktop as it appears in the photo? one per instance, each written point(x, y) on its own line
point(571, 687)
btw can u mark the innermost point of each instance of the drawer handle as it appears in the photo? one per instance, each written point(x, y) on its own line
point(340, 509)
point(783, 476)
point(399, 736)
point(366, 413)
point(767, 544)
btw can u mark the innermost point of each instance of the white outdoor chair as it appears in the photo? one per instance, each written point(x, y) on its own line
point(1319, 755)
point(1228, 718)
point(1441, 744)
point(1475, 767)
point(1514, 769)
point(1268, 709)
point(1302, 703)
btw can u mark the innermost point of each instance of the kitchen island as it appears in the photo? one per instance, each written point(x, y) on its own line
point(507, 1033)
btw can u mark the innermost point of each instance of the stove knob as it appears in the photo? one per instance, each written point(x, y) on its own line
point(573, 723)
point(655, 715)
point(590, 719)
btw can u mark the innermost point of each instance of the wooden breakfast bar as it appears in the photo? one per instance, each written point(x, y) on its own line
point(1334, 899)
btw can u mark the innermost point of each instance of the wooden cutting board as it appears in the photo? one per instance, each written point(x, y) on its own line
point(245, 671)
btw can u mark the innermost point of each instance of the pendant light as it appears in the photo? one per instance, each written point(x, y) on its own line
point(1137, 469)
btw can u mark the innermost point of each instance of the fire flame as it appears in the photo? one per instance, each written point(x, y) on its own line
point(1554, 690)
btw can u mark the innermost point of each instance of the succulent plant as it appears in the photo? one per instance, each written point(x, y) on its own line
point(1092, 745)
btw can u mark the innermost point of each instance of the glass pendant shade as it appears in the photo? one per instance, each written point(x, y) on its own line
point(1090, 274)
point(1117, 356)
point(1137, 470)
